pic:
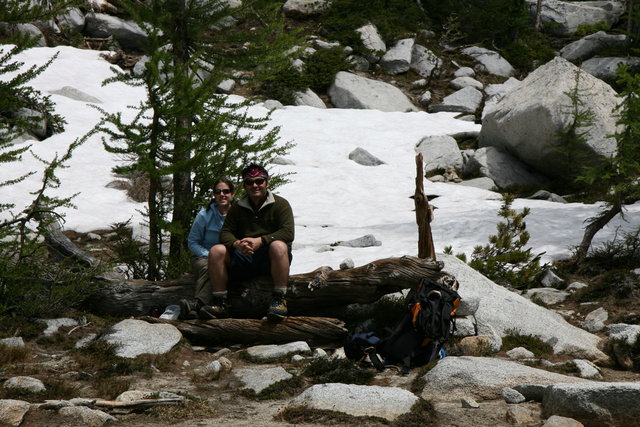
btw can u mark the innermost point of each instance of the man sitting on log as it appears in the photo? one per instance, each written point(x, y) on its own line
point(255, 240)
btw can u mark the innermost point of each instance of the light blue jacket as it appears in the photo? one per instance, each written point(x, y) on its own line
point(205, 231)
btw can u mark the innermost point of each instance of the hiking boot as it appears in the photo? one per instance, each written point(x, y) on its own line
point(188, 310)
point(218, 310)
point(278, 308)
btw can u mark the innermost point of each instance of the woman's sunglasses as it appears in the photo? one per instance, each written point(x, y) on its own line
point(223, 191)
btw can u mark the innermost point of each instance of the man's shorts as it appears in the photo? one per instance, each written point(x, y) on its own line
point(243, 267)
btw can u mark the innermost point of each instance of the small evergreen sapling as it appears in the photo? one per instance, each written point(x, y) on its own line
point(505, 259)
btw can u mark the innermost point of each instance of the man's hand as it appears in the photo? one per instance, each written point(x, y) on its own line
point(248, 245)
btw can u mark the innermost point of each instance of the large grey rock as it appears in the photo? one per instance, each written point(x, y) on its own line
point(439, 152)
point(273, 351)
point(622, 331)
point(12, 342)
point(364, 158)
point(86, 416)
point(490, 61)
point(351, 91)
point(128, 34)
point(520, 353)
point(528, 119)
point(308, 98)
point(465, 100)
point(38, 121)
point(505, 310)
point(605, 68)
point(495, 92)
point(460, 82)
point(483, 182)
point(305, 8)
point(398, 59)
point(591, 45)
point(12, 411)
point(357, 400)
point(259, 379)
point(372, 42)
point(563, 18)
point(504, 169)
point(557, 421)
point(512, 396)
point(595, 404)
point(482, 378)
point(32, 31)
point(424, 62)
point(54, 324)
point(29, 384)
point(587, 369)
point(72, 21)
point(135, 337)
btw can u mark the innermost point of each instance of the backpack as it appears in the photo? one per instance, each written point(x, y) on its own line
point(417, 338)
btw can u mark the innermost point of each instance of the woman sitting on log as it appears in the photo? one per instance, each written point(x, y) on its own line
point(205, 233)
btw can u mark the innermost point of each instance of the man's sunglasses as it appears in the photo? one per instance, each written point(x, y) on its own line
point(223, 191)
point(257, 181)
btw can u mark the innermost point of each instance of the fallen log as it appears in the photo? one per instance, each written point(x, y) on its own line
point(311, 293)
point(314, 330)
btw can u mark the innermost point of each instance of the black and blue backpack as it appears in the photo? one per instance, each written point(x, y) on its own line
point(417, 339)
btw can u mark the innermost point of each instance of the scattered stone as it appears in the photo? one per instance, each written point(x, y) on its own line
point(272, 104)
point(259, 379)
point(419, 83)
point(88, 416)
point(272, 351)
point(574, 286)
point(357, 400)
point(504, 169)
point(308, 98)
point(439, 152)
point(29, 384)
point(346, 264)
point(460, 82)
point(84, 341)
point(282, 161)
point(594, 321)
point(551, 279)
point(484, 183)
point(557, 421)
point(628, 333)
point(469, 402)
point(424, 62)
point(318, 353)
point(465, 100)
point(54, 324)
point(361, 242)
point(351, 91)
point(305, 8)
point(512, 396)
point(135, 337)
point(425, 99)
point(226, 86)
point(76, 94)
point(563, 18)
point(546, 195)
point(372, 42)
point(590, 45)
point(297, 358)
point(133, 395)
point(604, 68)
point(12, 342)
point(364, 158)
point(520, 353)
point(12, 411)
point(397, 59)
point(519, 415)
point(128, 34)
point(586, 369)
point(490, 61)
point(548, 296)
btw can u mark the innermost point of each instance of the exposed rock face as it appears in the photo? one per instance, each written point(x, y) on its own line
point(605, 68)
point(482, 378)
point(563, 18)
point(590, 45)
point(127, 33)
point(12, 411)
point(595, 404)
point(504, 310)
point(351, 91)
point(528, 118)
point(503, 169)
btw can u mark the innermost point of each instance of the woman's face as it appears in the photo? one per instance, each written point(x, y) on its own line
point(222, 194)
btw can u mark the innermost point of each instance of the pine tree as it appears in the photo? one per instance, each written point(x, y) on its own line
point(184, 130)
point(30, 283)
point(620, 173)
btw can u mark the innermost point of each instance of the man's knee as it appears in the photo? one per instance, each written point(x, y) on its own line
point(278, 249)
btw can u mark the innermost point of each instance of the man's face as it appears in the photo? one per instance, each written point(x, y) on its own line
point(256, 188)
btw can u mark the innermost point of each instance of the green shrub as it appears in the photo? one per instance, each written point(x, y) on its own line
point(528, 52)
point(586, 29)
point(534, 344)
point(321, 67)
point(283, 84)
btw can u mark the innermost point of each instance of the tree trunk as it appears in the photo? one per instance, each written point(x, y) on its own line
point(314, 330)
point(594, 226)
point(313, 293)
point(426, 248)
point(538, 24)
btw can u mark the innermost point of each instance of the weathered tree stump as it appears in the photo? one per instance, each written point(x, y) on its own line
point(314, 330)
point(308, 294)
